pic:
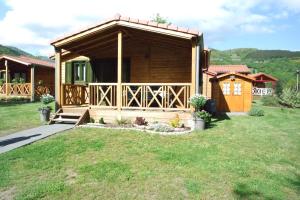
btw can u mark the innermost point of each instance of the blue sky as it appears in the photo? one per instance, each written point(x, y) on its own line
point(226, 24)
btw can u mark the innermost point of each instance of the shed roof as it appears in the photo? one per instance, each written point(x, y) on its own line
point(133, 23)
point(235, 74)
point(221, 69)
point(258, 75)
point(25, 60)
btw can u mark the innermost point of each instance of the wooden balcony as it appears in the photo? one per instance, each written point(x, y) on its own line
point(134, 96)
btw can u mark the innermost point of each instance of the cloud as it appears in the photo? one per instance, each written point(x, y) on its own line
point(34, 23)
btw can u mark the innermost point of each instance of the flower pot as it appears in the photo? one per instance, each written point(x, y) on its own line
point(197, 124)
point(45, 114)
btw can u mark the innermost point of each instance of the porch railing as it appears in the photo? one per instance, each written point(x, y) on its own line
point(166, 96)
point(262, 91)
point(16, 89)
point(41, 89)
point(74, 94)
point(103, 94)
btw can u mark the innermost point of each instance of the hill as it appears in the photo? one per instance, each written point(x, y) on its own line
point(279, 63)
point(13, 51)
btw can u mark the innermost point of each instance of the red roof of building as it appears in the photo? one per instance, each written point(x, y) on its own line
point(25, 60)
point(149, 23)
point(221, 69)
point(258, 75)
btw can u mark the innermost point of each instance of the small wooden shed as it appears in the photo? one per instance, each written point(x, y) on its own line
point(232, 92)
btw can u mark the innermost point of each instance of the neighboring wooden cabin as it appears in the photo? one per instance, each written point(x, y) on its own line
point(232, 92)
point(129, 67)
point(263, 84)
point(25, 77)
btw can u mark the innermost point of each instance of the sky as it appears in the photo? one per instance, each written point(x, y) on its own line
point(226, 24)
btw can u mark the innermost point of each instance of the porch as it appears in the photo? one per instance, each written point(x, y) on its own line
point(128, 67)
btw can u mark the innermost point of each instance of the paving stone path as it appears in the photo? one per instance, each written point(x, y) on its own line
point(21, 138)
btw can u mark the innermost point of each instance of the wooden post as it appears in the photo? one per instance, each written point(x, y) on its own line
point(32, 83)
point(57, 78)
point(193, 70)
point(119, 89)
point(6, 78)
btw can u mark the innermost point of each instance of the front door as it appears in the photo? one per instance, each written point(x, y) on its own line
point(233, 98)
point(106, 70)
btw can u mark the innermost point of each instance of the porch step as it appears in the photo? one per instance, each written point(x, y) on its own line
point(76, 118)
point(70, 114)
point(65, 120)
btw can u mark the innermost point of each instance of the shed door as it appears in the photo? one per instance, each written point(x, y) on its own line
point(232, 96)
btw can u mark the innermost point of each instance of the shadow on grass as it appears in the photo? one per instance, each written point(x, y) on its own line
point(243, 191)
point(16, 139)
point(217, 118)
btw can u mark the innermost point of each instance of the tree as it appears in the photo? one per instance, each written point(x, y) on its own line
point(159, 19)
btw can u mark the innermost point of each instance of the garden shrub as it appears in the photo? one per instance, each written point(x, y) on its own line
point(198, 102)
point(141, 121)
point(92, 120)
point(206, 116)
point(122, 121)
point(256, 112)
point(270, 101)
point(175, 123)
point(101, 121)
point(290, 98)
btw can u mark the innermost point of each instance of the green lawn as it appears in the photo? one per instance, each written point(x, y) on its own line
point(18, 116)
point(243, 157)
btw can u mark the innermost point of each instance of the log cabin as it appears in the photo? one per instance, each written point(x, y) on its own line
point(125, 68)
point(27, 77)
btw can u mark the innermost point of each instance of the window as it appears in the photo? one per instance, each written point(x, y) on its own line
point(237, 89)
point(79, 69)
point(226, 88)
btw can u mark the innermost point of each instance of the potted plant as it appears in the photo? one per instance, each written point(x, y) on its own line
point(200, 116)
point(45, 110)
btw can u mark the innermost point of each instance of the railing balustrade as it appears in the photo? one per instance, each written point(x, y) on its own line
point(103, 94)
point(74, 94)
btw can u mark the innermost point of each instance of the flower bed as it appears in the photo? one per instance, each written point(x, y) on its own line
point(159, 128)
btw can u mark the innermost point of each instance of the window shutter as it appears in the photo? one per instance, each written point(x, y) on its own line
point(89, 72)
point(68, 73)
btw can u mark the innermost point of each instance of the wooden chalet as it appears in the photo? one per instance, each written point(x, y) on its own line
point(127, 67)
point(26, 77)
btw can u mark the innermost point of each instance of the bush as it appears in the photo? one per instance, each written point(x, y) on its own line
point(2, 81)
point(198, 102)
point(101, 121)
point(290, 98)
point(270, 101)
point(122, 121)
point(46, 99)
point(175, 123)
point(206, 116)
point(92, 120)
point(141, 121)
point(256, 112)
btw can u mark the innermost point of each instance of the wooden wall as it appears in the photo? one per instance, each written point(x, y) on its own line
point(151, 62)
point(207, 85)
point(47, 75)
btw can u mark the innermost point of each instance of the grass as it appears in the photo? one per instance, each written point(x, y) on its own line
point(18, 116)
point(242, 157)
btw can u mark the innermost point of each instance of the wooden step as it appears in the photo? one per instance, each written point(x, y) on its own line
point(70, 114)
point(65, 120)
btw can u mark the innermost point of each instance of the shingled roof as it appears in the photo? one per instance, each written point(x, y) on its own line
point(119, 18)
point(221, 69)
point(25, 60)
